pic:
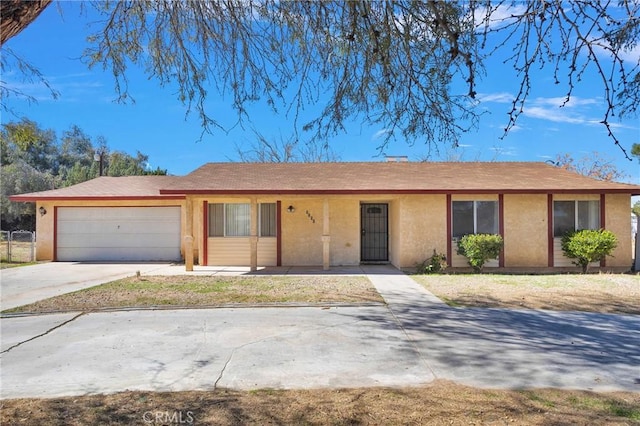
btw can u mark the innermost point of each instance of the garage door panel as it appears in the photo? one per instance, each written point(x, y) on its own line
point(138, 227)
point(126, 240)
point(102, 213)
point(118, 233)
point(115, 254)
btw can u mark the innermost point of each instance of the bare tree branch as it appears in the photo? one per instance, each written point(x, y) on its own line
point(409, 68)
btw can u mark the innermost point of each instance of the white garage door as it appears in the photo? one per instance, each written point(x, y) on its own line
point(118, 233)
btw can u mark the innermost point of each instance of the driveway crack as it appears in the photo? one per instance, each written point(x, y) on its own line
point(45, 333)
point(224, 367)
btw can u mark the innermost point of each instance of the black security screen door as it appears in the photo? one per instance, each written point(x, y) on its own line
point(374, 240)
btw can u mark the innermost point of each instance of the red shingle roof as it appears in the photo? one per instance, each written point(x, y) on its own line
point(107, 187)
point(388, 177)
point(340, 178)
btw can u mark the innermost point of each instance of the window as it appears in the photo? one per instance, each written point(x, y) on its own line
point(234, 220)
point(268, 220)
point(575, 215)
point(474, 217)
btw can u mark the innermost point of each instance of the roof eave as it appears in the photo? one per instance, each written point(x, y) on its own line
point(31, 198)
point(398, 191)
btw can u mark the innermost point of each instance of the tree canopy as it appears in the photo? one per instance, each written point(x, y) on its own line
point(413, 68)
point(34, 159)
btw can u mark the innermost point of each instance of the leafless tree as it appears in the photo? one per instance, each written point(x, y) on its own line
point(594, 165)
point(289, 150)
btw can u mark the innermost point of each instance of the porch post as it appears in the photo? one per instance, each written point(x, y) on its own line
point(326, 238)
point(253, 239)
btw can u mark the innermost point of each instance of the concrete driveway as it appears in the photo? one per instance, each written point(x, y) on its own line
point(27, 284)
point(411, 340)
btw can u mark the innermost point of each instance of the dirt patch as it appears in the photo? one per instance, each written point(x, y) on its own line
point(441, 403)
point(185, 290)
point(607, 293)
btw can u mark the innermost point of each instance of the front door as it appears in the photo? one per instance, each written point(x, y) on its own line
point(374, 239)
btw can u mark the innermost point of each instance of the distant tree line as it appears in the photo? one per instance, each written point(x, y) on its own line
point(36, 159)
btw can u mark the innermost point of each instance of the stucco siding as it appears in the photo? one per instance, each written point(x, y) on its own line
point(45, 230)
point(302, 232)
point(395, 234)
point(422, 228)
point(344, 228)
point(618, 221)
point(525, 230)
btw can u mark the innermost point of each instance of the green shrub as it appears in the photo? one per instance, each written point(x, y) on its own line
point(433, 265)
point(588, 245)
point(478, 248)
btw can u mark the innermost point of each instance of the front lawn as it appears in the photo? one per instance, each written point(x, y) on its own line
point(610, 293)
point(189, 290)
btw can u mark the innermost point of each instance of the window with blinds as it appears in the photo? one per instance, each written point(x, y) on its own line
point(234, 220)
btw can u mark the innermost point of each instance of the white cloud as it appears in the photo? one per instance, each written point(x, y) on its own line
point(500, 16)
point(552, 114)
point(632, 55)
point(380, 133)
point(500, 97)
point(561, 101)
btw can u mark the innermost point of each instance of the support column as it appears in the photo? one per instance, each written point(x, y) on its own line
point(188, 234)
point(253, 239)
point(326, 236)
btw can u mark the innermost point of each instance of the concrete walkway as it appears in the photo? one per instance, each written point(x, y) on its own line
point(501, 348)
point(411, 341)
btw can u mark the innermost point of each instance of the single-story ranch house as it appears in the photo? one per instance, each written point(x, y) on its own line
point(329, 214)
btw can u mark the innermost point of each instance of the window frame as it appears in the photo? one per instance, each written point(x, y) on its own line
point(576, 215)
point(223, 220)
point(475, 203)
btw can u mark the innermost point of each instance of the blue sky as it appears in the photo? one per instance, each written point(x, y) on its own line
point(156, 125)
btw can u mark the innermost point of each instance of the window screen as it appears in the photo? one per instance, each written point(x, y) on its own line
point(486, 217)
point(571, 216)
point(588, 215)
point(216, 220)
point(462, 218)
point(268, 220)
point(474, 217)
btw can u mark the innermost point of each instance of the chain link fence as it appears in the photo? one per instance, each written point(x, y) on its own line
point(17, 246)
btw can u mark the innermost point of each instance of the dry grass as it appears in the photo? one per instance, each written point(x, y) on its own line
point(187, 290)
point(21, 253)
point(611, 293)
point(441, 403)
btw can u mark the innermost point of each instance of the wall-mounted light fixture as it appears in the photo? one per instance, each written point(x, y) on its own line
point(42, 211)
point(291, 209)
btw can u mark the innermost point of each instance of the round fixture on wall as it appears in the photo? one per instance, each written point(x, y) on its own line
point(42, 211)
point(291, 209)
